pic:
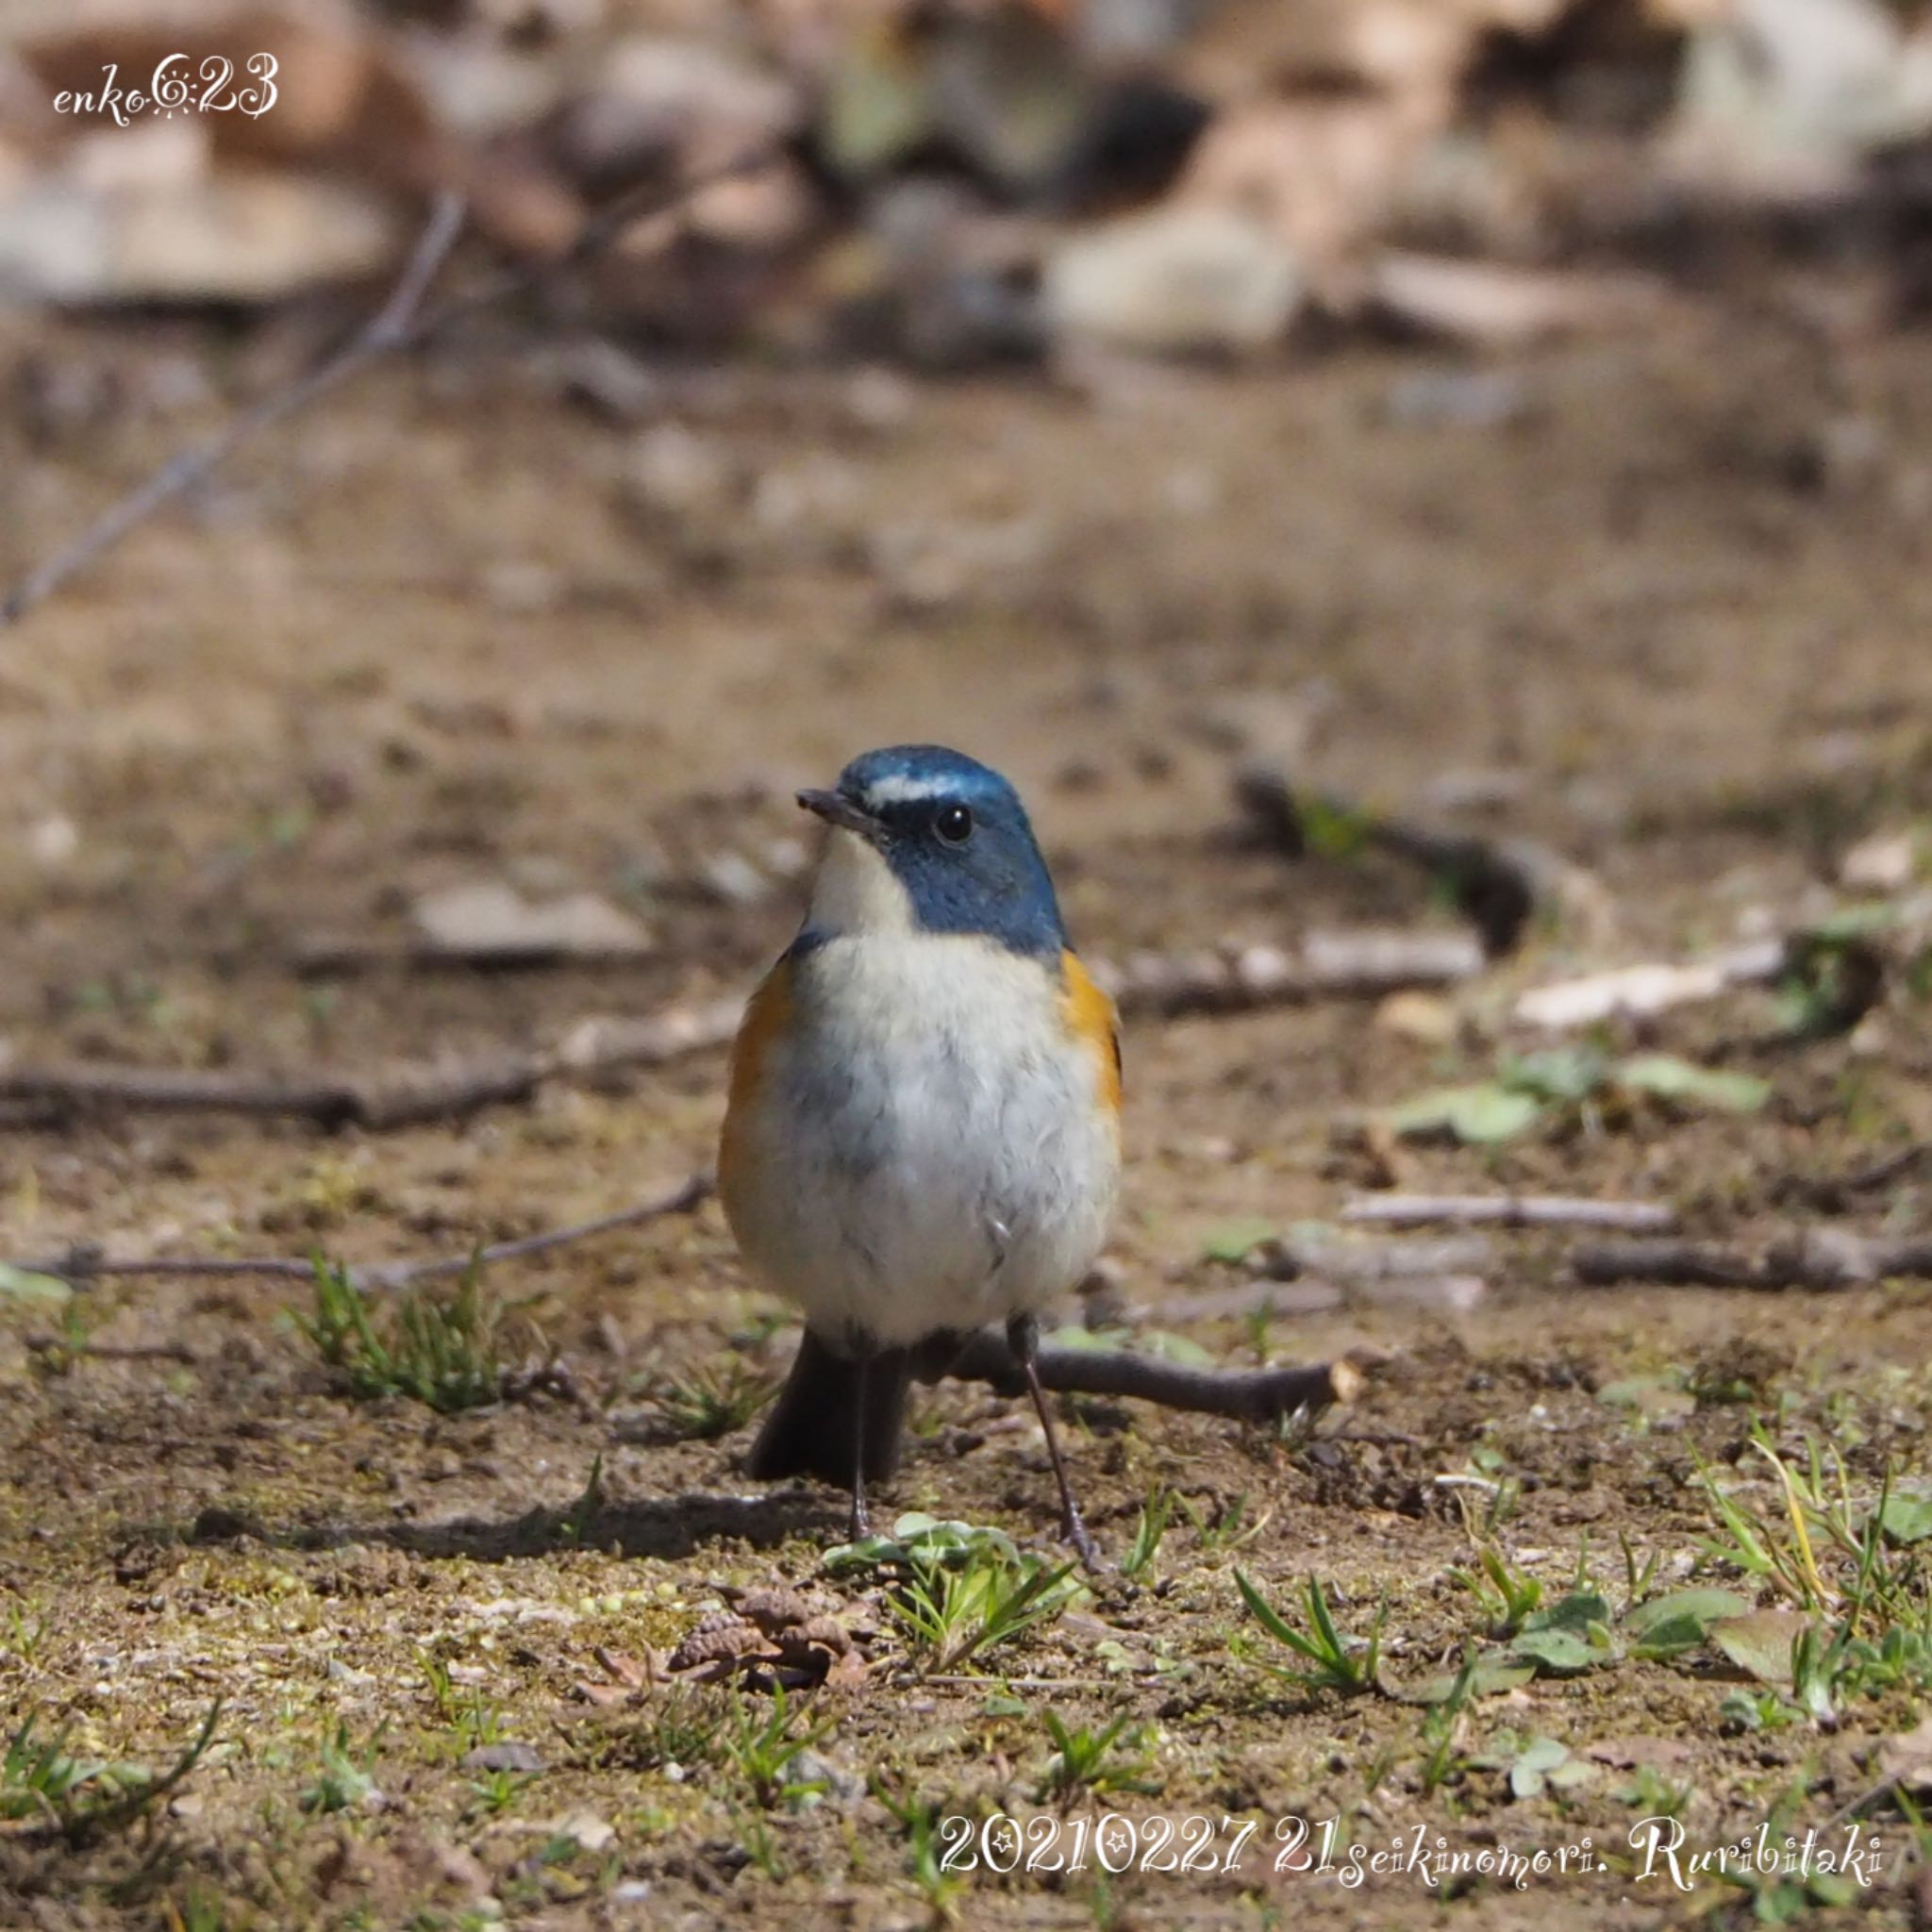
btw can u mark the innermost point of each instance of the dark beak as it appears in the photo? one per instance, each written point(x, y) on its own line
point(836, 810)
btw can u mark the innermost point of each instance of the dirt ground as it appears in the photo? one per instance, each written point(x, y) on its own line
point(1677, 601)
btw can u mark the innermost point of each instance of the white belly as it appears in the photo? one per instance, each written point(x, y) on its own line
point(929, 1147)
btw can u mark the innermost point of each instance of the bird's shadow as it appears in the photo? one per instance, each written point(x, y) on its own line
point(656, 1526)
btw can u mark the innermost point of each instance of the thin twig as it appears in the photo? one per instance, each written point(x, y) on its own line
point(1807, 1257)
point(1509, 1211)
point(1329, 965)
point(687, 1194)
point(1441, 1294)
point(387, 330)
point(85, 1263)
point(397, 325)
point(1358, 1260)
point(114, 1351)
point(1832, 1194)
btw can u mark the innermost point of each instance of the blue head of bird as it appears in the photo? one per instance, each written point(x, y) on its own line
point(926, 840)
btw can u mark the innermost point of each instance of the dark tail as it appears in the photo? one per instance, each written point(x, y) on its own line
point(814, 1426)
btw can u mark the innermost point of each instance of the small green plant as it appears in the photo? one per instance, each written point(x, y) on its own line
point(1487, 1494)
point(1442, 1761)
point(959, 1588)
point(1101, 1763)
point(22, 1628)
point(1543, 1766)
point(441, 1353)
point(1576, 1084)
point(685, 1725)
point(42, 1781)
point(40, 1776)
point(345, 1777)
point(950, 1613)
point(712, 1399)
point(762, 1749)
point(497, 1790)
point(1652, 1793)
point(1148, 1532)
point(1759, 1711)
point(584, 1511)
point(1639, 1575)
point(1227, 1529)
point(1507, 1595)
point(919, 1821)
point(473, 1721)
point(1349, 1665)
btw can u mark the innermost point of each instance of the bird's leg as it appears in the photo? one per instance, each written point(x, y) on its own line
point(860, 1526)
point(1023, 1338)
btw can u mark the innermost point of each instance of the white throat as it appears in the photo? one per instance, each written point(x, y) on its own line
point(854, 891)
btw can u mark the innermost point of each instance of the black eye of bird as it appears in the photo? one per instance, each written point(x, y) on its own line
point(954, 824)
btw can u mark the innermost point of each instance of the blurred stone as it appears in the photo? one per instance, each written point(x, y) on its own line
point(675, 472)
point(521, 586)
point(843, 1786)
point(1494, 305)
point(1119, 31)
point(1418, 1016)
point(927, 565)
point(732, 878)
point(1179, 281)
point(478, 88)
point(491, 921)
point(53, 840)
point(1885, 862)
point(880, 400)
point(252, 237)
point(1782, 99)
point(940, 278)
point(1319, 173)
point(510, 1755)
point(1458, 399)
point(661, 102)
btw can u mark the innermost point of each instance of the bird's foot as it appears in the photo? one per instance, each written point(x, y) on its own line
point(1074, 1533)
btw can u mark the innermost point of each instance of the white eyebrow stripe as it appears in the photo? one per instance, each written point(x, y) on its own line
point(897, 788)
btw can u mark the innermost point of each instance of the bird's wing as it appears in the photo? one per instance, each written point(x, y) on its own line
point(1090, 1015)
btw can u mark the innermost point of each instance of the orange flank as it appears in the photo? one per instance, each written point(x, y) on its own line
point(1090, 1014)
point(767, 1014)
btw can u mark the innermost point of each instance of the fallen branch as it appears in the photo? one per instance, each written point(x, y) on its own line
point(1253, 1395)
point(1509, 1211)
point(398, 325)
point(1844, 972)
point(1329, 965)
point(1307, 1294)
point(84, 1263)
point(1639, 991)
point(1834, 1193)
point(1247, 1395)
point(1497, 883)
point(1365, 1261)
point(401, 1096)
point(1811, 1258)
